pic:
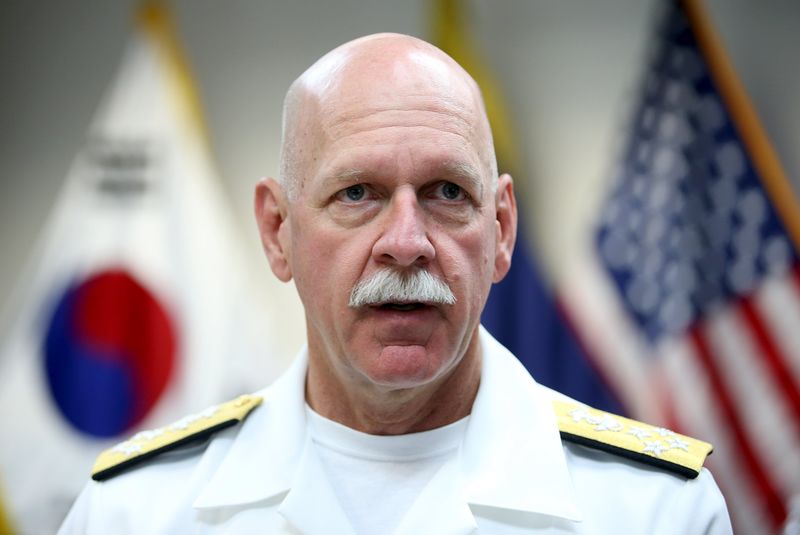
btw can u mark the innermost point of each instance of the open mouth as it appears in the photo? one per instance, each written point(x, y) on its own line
point(402, 307)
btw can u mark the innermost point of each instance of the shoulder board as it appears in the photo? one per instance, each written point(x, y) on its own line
point(147, 444)
point(634, 440)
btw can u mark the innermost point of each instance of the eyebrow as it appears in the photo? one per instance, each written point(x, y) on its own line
point(466, 171)
point(346, 175)
point(448, 169)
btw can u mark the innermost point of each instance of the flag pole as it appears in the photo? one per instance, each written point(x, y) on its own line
point(744, 117)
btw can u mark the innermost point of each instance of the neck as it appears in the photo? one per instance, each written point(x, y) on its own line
point(379, 410)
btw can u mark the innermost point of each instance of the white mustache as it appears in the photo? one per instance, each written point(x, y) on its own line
point(391, 286)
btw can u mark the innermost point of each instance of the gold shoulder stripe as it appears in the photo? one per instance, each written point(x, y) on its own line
point(631, 439)
point(148, 444)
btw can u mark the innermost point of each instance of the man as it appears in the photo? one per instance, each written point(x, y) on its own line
point(402, 415)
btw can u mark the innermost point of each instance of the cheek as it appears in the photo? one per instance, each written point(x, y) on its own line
point(329, 262)
point(484, 255)
point(310, 251)
point(482, 246)
point(468, 261)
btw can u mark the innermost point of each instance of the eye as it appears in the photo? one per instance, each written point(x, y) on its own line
point(353, 193)
point(451, 192)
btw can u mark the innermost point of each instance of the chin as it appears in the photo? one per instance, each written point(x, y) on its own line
point(400, 367)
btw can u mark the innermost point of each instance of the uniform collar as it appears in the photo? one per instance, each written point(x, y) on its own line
point(264, 455)
point(512, 457)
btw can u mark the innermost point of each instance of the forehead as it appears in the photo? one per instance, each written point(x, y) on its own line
point(418, 142)
point(392, 111)
point(402, 108)
point(420, 122)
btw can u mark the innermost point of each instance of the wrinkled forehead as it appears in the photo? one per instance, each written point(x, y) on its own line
point(381, 81)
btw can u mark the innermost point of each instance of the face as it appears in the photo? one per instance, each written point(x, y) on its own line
point(399, 181)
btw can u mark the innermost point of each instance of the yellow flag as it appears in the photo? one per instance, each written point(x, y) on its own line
point(450, 33)
point(5, 523)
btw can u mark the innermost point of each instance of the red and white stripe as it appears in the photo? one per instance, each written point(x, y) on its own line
point(697, 413)
point(779, 302)
point(733, 379)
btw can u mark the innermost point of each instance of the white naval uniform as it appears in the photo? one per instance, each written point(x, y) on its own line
point(512, 475)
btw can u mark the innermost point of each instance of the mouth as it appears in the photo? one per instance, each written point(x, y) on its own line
point(401, 307)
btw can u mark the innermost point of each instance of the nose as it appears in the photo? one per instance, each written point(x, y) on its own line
point(404, 240)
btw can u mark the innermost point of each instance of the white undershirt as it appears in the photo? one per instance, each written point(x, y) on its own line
point(378, 478)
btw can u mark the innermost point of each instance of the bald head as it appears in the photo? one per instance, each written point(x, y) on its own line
point(377, 73)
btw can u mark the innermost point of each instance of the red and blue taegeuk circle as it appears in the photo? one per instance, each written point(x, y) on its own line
point(109, 353)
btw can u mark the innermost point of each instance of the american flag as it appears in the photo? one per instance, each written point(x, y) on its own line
point(693, 303)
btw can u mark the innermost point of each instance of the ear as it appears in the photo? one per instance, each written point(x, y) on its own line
point(506, 225)
point(271, 208)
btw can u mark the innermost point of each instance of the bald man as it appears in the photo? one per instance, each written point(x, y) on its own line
point(402, 415)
